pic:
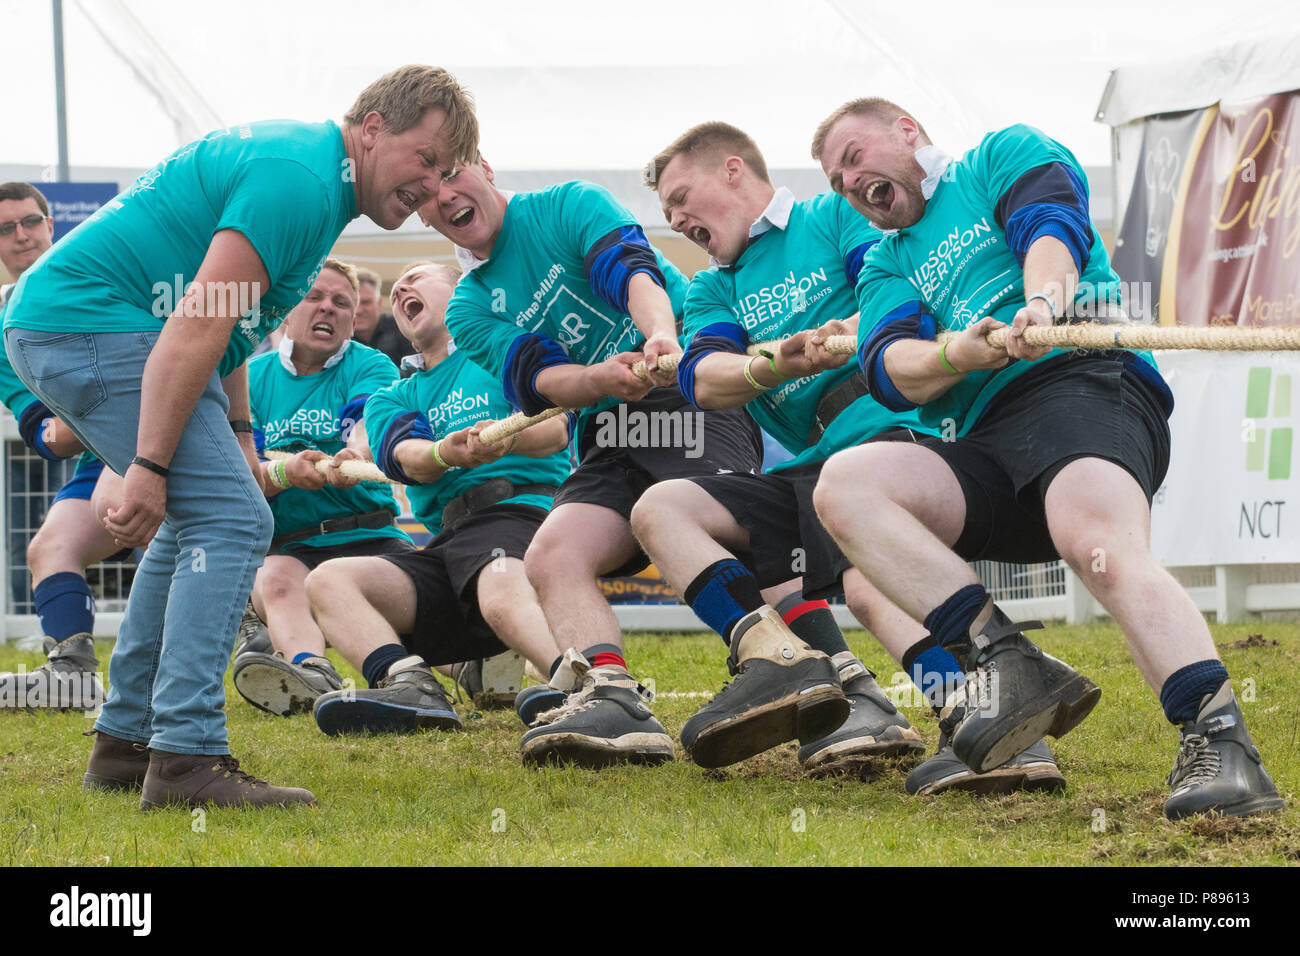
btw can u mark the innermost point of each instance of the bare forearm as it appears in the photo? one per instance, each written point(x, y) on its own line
point(914, 367)
point(568, 386)
point(720, 380)
point(414, 455)
point(1049, 268)
point(650, 308)
point(542, 439)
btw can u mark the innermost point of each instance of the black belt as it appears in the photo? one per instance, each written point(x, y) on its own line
point(367, 521)
point(491, 492)
point(834, 402)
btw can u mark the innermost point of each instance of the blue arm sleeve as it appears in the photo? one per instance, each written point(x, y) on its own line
point(529, 355)
point(853, 261)
point(408, 425)
point(719, 337)
point(30, 426)
point(1047, 201)
point(614, 259)
point(351, 413)
point(259, 440)
point(910, 321)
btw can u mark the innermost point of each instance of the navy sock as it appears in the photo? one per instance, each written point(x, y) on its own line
point(604, 655)
point(375, 667)
point(722, 594)
point(813, 622)
point(555, 666)
point(64, 605)
point(1186, 687)
point(934, 670)
point(950, 621)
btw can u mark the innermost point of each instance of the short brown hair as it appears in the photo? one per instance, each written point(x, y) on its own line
point(403, 96)
point(872, 106)
point(369, 276)
point(346, 270)
point(704, 139)
point(18, 191)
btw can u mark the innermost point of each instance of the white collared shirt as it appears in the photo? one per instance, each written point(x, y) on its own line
point(775, 216)
point(934, 163)
point(286, 355)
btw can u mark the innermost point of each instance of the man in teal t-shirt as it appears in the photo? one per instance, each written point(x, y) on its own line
point(562, 296)
point(120, 330)
point(465, 596)
point(1044, 454)
point(306, 398)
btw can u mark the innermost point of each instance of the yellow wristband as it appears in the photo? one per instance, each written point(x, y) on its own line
point(438, 458)
point(943, 358)
point(749, 377)
point(277, 475)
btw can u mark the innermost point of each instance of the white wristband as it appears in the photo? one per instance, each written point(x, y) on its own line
point(1051, 305)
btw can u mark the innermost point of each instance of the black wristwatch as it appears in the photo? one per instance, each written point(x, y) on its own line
point(238, 425)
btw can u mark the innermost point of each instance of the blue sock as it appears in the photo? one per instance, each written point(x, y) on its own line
point(1186, 687)
point(950, 622)
point(722, 594)
point(375, 667)
point(64, 605)
point(934, 670)
point(302, 656)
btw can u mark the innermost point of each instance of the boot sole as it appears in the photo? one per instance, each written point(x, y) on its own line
point(275, 688)
point(361, 716)
point(593, 753)
point(93, 781)
point(184, 803)
point(816, 713)
point(1056, 715)
point(1243, 808)
point(1045, 776)
point(860, 751)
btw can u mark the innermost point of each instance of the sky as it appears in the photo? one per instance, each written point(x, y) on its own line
point(591, 84)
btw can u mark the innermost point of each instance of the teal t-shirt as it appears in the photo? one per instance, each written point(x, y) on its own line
point(452, 395)
point(294, 412)
point(281, 184)
point(536, 281)
point(788, 280)
point(957, 263)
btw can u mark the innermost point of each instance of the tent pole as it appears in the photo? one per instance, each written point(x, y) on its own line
point(60, 97)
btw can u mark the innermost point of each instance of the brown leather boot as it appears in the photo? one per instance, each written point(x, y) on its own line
point(115, 764)
point(191, 780)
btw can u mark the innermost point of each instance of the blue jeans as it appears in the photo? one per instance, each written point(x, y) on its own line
point(167, 670)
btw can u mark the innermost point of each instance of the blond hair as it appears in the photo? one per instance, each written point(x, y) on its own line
point(369, 276)
point(449, 272)
point(874, 107)
point(346, 270)
point(403, 96)
point(703, 140)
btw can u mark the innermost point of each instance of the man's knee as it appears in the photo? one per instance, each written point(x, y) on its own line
point(662, 506)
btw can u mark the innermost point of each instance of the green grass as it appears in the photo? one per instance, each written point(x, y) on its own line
point(432, 799)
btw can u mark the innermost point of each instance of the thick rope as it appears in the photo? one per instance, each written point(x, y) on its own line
point(365, 470)
point(1217, 338)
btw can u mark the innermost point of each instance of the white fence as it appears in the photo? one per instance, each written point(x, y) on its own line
point(1040, 591)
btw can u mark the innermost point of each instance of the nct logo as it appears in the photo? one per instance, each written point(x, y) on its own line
point(1268, 446)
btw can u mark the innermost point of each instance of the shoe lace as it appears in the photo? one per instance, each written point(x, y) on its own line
point(229, 767)
point(574, 703)
point(1197, 762)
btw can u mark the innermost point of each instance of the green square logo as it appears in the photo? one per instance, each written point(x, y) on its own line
point(1268, 449)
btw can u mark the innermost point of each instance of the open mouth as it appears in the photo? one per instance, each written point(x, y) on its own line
point(462, 217)
point(412, 307)
point(322, 328)
point(880, 194)
point(700, 236)
point(407, 198)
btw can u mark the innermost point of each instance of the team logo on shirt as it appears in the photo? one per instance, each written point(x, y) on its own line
point(790, 295)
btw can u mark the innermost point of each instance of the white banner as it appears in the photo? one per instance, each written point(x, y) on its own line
point(1230, 495)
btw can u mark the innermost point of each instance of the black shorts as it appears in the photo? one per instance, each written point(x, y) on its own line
point(448, 625)
point(614, 476)
point(315, 556)
point(1087, 406)
point(786, 539)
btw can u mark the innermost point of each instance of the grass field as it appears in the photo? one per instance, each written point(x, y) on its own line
point(439, 799)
